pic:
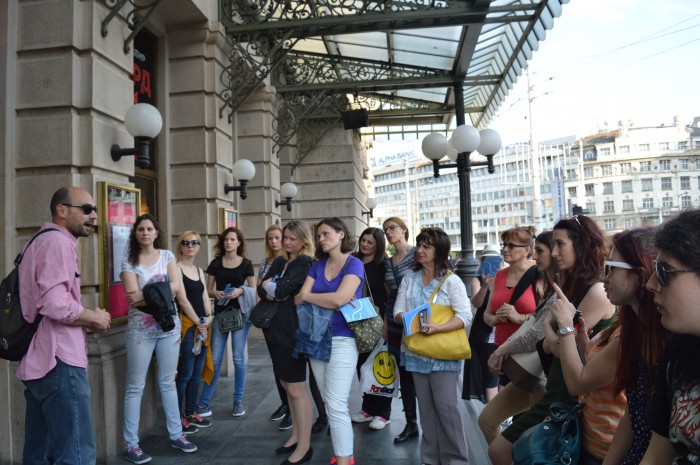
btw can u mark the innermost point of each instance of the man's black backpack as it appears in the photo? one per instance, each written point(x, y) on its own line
point(15, 332)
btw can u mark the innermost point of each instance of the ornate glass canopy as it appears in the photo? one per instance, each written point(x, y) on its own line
point(402, 60)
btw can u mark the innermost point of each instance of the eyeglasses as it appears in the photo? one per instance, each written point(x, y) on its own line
point(609, 265)
point(575, 218)
point(661, 269)
point(390, 228)
point(87, 208)
point(193, 243)
point(511, 246)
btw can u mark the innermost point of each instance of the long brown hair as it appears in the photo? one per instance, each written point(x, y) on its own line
point(134, 246)
point(591, 251)
point(219, 250)
point(642, 338)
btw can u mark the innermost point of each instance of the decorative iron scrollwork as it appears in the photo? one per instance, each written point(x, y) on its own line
point(135, 19)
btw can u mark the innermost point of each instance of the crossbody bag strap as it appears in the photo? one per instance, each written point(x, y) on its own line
point(433, 296)
point(528, 279)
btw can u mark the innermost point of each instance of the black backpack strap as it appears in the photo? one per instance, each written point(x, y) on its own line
point(529, 279)
point(18, 260)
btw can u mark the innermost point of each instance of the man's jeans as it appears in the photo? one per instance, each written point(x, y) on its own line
point(57, 421)
point(239, 339)
point(139, 353)
point(189, 373)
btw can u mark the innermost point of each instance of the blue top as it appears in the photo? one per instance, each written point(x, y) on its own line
point(322, 285)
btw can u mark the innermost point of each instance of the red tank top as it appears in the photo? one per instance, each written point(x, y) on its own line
point(501, 295)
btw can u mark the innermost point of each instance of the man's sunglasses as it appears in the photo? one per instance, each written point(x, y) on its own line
point(193, 243)
point(87, 208)
point(662, 270)
point(609, 265)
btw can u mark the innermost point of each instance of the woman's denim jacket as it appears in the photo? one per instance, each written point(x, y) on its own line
point(314, 332)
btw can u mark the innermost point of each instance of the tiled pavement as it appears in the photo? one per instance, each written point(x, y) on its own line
point(252, 439)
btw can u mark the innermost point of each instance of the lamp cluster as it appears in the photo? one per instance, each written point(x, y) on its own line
point(465, 139)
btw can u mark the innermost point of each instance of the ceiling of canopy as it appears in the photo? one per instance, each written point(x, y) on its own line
point(413, 63)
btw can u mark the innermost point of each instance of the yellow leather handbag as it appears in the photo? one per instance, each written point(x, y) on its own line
point(452, 345)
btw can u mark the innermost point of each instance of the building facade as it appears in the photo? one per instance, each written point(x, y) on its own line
point(69, 71)
point(622, 178)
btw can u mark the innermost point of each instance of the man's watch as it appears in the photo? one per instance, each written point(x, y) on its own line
point(565, 330)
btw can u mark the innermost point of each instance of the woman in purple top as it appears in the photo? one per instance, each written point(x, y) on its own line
point(333, 281)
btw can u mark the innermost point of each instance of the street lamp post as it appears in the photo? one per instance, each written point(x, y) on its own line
point(465, 140)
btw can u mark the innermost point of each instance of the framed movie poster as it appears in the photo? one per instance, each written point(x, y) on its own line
point(121, 206)
point(228, 218)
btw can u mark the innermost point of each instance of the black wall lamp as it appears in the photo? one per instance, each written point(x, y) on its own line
point(288, 191)
point(371, 204)
point(143, 122)
point(243, 170)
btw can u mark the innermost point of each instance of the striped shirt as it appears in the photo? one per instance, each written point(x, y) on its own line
point(602, 410)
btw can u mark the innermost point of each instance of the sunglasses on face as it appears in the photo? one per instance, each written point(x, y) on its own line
point(87, 208)
point(193, 243)
point(610, 265)
point(662, 269)
point(511, 246)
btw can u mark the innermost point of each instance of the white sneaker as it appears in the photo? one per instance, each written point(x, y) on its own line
point(379, 423)
point(362, 417)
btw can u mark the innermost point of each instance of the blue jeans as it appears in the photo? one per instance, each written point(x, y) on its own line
point(239, 339)
point(58, 428)
point(189, 373)
point(138, 358)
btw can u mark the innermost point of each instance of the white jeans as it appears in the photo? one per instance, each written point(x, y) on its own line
point(334, 380)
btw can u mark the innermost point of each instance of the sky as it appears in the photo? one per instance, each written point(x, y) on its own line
point(606, 61)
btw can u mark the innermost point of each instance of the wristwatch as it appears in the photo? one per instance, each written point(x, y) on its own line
point(565, 330)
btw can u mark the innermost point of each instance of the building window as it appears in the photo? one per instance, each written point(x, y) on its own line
point(643, 147)
point(628, 223)
point(590, 206)
point(626, 185)
point(665, 146)
point(609, 206)
point(646, 185)
point(665, 165)
point(572, 192)
point(645, 166)
point(607, 188)
point(609, 224)
point(685, 182)
point(588, 172)
point(627, 205)
point(605, 152)
point(623, 149)
point(697, 144)
point(683, 163)
point(571, 174)
point(648, 203)
point(666, 184)
point(590, 189)
point(625, 168)
point(682, 145)
point(667, 202)
point(607, 170)
point(685, 201)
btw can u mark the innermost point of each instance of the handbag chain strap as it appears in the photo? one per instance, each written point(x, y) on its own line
point(433, 296)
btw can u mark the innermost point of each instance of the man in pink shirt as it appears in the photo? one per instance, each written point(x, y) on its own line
point(54, 370)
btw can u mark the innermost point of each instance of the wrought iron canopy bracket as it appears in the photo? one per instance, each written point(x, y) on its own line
point(136, 19)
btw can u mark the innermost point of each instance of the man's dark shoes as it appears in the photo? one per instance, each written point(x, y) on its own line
point(319, 424)
point(304, 459)
point(409, 432)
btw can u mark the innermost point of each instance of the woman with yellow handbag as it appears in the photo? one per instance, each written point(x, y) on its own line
point(436, 376)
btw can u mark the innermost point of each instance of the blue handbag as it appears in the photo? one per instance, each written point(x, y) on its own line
point(555, 441)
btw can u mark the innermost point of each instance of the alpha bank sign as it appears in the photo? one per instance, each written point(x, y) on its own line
point(385, 159)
